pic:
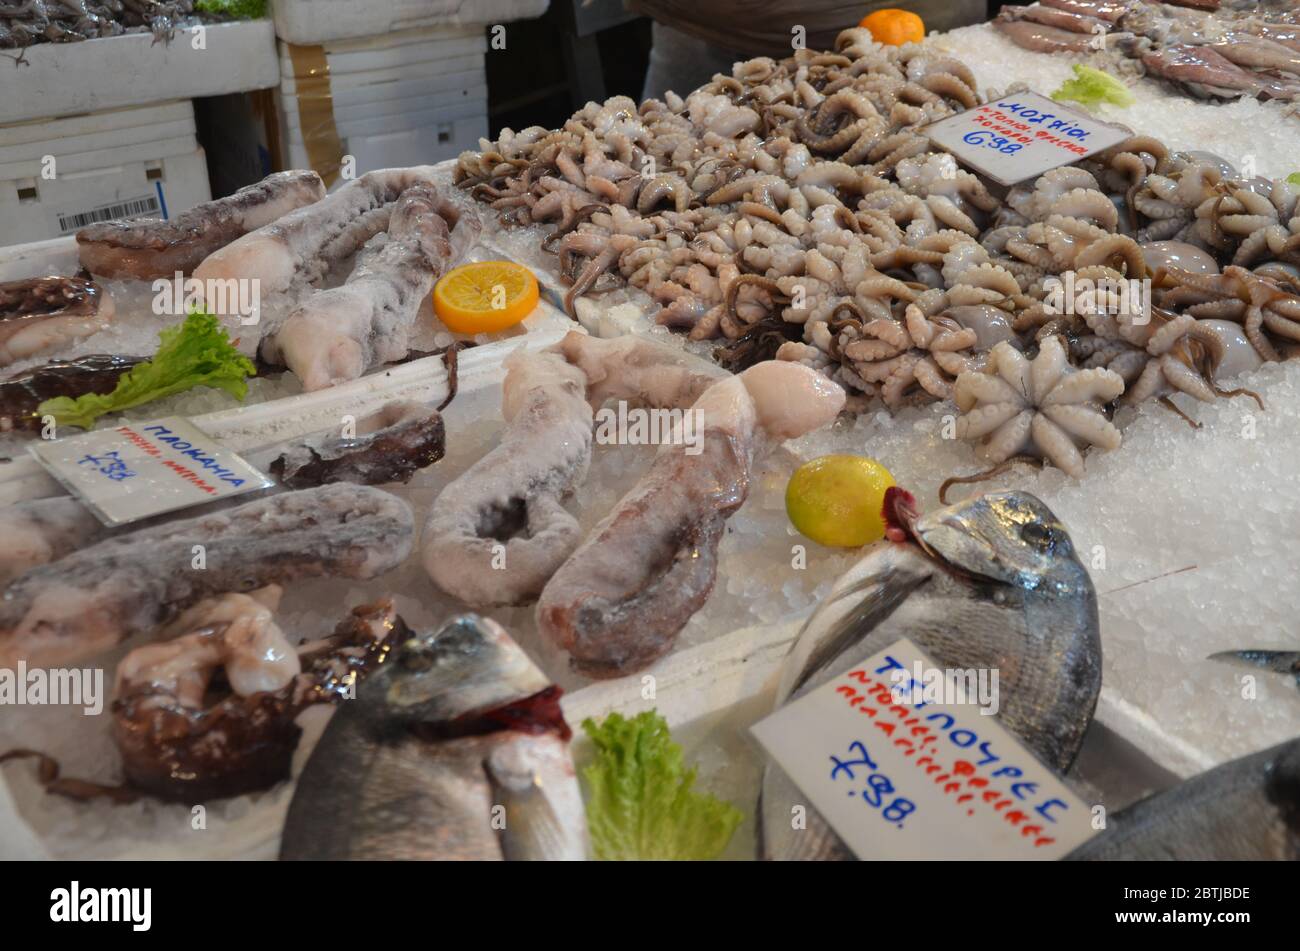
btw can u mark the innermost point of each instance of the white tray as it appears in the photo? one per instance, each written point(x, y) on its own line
point(725, 679)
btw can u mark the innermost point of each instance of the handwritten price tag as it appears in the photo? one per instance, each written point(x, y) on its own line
point(136, 470)
point(900, 773)
point(1022, 135)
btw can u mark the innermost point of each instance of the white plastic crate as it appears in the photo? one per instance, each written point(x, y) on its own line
point(416, 146)
point(316, 21)
point(411, 97)
point(59, 175)
point(61, 79)
point(407, 48)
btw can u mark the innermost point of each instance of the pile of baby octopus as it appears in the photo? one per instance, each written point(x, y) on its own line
point(797, 210)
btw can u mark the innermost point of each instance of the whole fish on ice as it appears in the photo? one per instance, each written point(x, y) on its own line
point(1248, 808)
point(989, 583)
point(456, 749)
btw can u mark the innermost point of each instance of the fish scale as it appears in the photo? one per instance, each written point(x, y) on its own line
point(1245, 809)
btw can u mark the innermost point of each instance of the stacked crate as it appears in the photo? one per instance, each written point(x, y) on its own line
point(59, 175)
point(369, 84)
point(414, 97)
point(104, 128)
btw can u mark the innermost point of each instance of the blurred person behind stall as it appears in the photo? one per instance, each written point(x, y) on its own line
point(694, 39)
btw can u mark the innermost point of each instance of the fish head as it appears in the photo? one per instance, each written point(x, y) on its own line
point(469, 663)
point(1010, 537)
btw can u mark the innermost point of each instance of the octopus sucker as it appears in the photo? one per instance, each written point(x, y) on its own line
point(84, 603)
point(300, 247)
point(335, 335)
point(45, 314)
point(617, 603)
point(148, 248)
point(499, 531)
point(42, 530)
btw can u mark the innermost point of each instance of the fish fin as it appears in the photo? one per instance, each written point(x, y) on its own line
point(530, 828)
point(877, 596)
point(1281, 662)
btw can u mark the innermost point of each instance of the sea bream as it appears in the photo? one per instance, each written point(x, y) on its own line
point(989, 583)
point(455, 749)
point(1246, 809)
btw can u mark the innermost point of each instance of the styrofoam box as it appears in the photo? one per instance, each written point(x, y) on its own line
point(412, 97)
point(415, 146)
point(413, 48)
point(317, 21)
point(62, 79)
point(440, 105)
point(57, 176)
point(456, 87)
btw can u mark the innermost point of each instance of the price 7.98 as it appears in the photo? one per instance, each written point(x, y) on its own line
point(878, 785)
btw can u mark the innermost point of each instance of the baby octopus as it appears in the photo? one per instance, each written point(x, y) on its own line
point(1040, 407)
point(793, 208)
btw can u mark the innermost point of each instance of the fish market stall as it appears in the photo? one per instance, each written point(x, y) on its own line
point(622, 476)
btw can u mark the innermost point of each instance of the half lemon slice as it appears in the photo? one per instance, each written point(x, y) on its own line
point(485, 296)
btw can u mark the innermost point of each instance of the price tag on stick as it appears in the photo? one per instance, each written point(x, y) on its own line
point(137, 470)
point(905, 764)
point(1022, 135)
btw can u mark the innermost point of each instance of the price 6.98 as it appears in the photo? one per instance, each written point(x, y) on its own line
point(989, 140)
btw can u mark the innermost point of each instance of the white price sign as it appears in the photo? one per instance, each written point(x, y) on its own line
point(136, 470)
point(904, 767)
point(1022, 135)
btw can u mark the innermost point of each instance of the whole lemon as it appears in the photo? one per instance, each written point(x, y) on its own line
point(836, 500)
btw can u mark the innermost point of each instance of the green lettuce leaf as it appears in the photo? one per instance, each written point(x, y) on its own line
point(640, 801)
point(238, 9)
point(195, 353)
point(1092, 87)
point(1294, 180)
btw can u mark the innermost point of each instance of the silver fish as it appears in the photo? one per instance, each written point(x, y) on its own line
point(456, 749)
point(991, 583)
point(1246, 809)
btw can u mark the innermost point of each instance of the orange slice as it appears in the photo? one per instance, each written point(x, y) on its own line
point(485, 296)
point(894, 27)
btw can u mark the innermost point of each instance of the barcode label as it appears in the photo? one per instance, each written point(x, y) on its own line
point(132, 208)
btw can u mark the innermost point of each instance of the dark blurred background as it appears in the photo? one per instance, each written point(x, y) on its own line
point(572, 54)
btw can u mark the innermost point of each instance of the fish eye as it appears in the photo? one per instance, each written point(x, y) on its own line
point(415, 656)
point(1042, 537)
